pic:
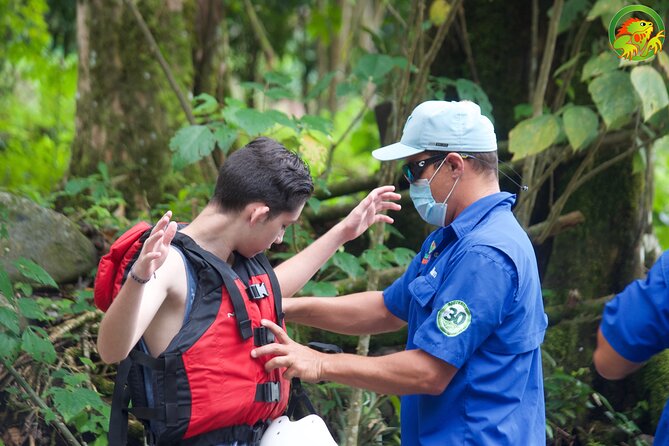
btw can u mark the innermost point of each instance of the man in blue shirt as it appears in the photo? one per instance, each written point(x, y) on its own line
point(635, 326)
point(471, 372)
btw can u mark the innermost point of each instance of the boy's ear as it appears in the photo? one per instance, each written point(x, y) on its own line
point(258, 213)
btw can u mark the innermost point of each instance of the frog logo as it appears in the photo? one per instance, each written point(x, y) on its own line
point(632, 40)
point(454, 318)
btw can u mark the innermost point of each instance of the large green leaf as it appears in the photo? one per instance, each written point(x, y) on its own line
point(468, 90)
point(252, 121)
point(225, 137)
point(600, 64)
point(533, 135)
point(649, 85)
point(605, 9)
point(191, 144)
point(9, 319)
point(30, 309)
point(73, 400)
point(6, 288)
point(9, 346)
point(580, 125)
point(33, 271)
point(375, 66)
point(206, 104)
point(39, 347)
point(614, 97)
point(320, 86)
point(320, 289)
point(348, 263)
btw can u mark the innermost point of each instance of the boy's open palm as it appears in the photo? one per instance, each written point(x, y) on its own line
point(156, 247)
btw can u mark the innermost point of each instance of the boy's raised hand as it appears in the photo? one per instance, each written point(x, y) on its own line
point(369, 211)
point(155, 248)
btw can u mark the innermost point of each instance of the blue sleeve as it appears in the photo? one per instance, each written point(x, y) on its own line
point(396, 297)
point(466, 306)
point(636, 321)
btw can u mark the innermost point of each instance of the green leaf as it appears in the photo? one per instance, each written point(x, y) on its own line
point(348, 263)
point(9, 346)
point(571, 10)
point(206, 104)
point(6, 288)
point(281, 119)
point(533, 135)
point(374, 66)
point(650, 87)
point(320, 289)
point(614, 97)
point(87, 362)
point(77, 185)
point(598, 65)
point(72, 401)
point(403, 256)
point(191, 144)
point(320, 86)
point(316, 123)
point(277, 93)
point(375, 258)
point(38, 347)
point(33, 271)
point(9, 319)
point(315, 204)
point(31, 309)
point(273, 77)
point(252, 121)
point(345, 88)
point(468, 90)
point(581, 126)
point(605, 9)
point(225, 137)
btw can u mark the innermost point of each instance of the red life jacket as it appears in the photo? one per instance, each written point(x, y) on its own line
point(205, 388)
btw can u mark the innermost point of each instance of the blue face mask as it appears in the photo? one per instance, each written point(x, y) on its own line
point(432, 212)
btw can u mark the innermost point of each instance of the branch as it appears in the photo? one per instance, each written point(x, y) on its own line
point(547, 61)
point(351, 186)
point(466, 45)
point(39, 402)
point(563, 223)
point(260, 34)
point(209, 167)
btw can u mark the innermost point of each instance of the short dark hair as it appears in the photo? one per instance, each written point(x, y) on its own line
point(485, 162)
point(263, 171)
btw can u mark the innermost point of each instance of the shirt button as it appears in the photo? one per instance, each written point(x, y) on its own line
point(436, 254)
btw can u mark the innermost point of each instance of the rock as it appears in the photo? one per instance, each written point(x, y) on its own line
point(47, 238)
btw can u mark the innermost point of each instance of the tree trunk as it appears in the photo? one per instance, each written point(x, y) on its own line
point(123, 99)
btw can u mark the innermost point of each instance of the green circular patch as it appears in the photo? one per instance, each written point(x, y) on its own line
point(454, 318)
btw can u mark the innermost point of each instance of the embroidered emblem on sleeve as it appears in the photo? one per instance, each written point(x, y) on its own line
point(454, 318)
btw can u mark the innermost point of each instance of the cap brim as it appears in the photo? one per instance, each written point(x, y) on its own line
point(395, 151)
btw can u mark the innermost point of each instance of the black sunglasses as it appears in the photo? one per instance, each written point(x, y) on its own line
point(413, 171)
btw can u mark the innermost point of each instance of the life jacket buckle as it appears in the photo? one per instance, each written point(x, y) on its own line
point(257, 291)
point(262, 336)
point(269, 392)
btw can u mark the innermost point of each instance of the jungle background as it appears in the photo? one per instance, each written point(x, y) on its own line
point(114, 111)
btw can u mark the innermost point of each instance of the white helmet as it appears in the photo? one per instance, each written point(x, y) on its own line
point(308, 431)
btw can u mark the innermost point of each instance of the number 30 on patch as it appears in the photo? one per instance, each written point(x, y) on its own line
point(454, 318)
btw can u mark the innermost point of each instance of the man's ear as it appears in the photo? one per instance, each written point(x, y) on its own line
point(257, 213)
point(455, 163)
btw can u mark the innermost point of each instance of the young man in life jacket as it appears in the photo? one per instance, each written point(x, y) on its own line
point(471, 372)
point(206, 387)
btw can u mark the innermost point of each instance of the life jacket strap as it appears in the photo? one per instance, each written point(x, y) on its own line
point(268, 392)
point(257, 291)
point(262, 336)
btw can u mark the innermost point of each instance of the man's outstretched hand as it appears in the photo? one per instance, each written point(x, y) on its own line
point(298, 360)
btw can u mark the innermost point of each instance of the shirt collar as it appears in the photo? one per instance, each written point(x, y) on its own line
point(475, 212)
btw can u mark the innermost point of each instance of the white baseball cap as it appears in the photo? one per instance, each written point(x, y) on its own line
point(448, 126)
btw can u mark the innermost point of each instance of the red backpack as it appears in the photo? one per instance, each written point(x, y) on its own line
point(114, 266)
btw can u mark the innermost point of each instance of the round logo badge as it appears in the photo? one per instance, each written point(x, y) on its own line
point(636, 33)
point(454, 318)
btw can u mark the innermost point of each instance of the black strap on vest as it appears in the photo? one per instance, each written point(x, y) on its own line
point(118, 419)
point(276, 289)
point(228, 276)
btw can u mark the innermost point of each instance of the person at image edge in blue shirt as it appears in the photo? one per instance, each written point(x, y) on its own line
point(635, 326)
point(471, 372)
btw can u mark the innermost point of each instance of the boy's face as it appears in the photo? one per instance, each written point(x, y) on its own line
point(271, 230)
